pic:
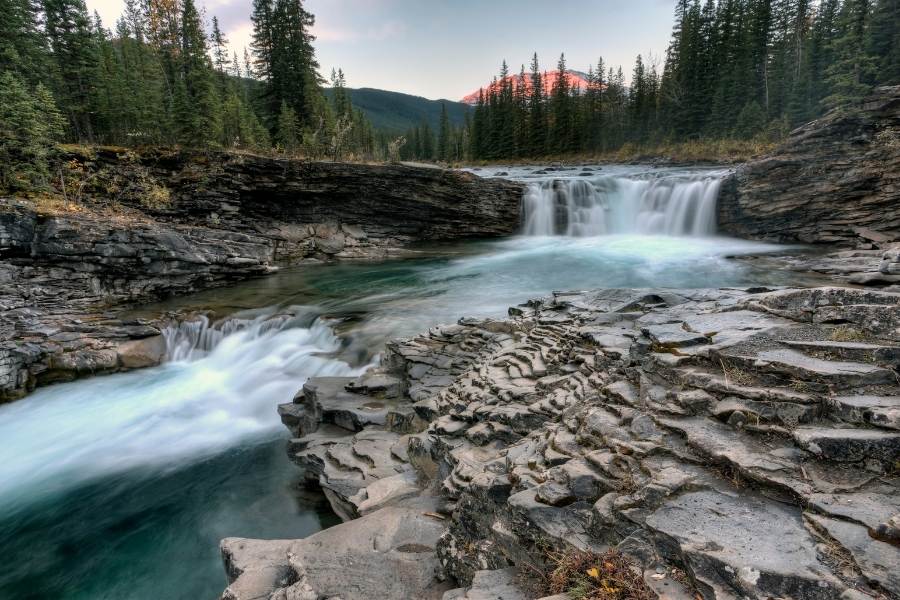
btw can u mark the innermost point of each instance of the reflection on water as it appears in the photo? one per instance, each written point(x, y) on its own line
point(376, 302)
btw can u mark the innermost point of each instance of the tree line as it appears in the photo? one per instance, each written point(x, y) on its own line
point(162, 77)
point(734, 69)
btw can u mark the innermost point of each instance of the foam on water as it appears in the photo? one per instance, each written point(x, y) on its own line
point(220, 389)
point(609, 204)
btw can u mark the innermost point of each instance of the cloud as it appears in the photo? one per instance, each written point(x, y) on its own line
point(388, 30)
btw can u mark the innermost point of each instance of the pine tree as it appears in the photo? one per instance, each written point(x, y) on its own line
point(443, 144)
point(196, 103)
point(852, 71)
point(29, 125)
point(537, 118)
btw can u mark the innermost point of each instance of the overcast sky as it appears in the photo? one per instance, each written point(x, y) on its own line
point(448, 48)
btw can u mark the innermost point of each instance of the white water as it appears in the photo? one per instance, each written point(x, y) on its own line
point(609, 204)
point(220, 389)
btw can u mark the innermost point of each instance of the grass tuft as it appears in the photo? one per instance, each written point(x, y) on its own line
point(587, 575)
point(846, 334)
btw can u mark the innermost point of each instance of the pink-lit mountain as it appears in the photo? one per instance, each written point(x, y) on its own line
point(575, 78)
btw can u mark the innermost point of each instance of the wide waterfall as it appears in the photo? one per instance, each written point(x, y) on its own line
point(620, 205)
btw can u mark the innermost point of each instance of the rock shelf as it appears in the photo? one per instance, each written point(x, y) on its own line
point(721, 434)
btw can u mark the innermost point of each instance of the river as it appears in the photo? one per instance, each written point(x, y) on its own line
point(121, 486)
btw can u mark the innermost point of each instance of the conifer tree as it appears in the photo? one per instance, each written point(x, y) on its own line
point(75, 57)
point(23, 47)
point(884, 41)
point(196, 103)
point(288, 132)
point(537, 118)
point(443, 144)
point(561, 110)
point(29, 125)
point(851, 73)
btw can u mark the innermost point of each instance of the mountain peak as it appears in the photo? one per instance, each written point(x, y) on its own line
point(575, 78)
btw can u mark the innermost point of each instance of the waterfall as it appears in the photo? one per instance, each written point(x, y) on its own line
point(218, 389)
point(619, 205)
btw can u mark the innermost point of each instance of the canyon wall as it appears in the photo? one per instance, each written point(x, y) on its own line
point(145, 227)
point(834, 181)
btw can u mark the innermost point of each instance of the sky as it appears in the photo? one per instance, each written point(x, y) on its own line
point(448, 48)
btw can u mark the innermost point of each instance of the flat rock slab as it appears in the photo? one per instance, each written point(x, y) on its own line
point(881, 411)
point(878, 561)
point(499, 584)
point(872, 509)
point(345, 409)
point(673, 336)
point(386, 554)
point(746, 543)
point(807, 367)
point(850, 445)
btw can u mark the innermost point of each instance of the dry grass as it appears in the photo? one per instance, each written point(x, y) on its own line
point(53, 205)
point(695, 151)
point(735, 375)
point(844, 333)
point(589, 576)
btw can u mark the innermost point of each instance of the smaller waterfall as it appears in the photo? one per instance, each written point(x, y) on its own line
point(619, 205)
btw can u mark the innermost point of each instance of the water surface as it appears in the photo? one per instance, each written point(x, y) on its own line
point(121, 486)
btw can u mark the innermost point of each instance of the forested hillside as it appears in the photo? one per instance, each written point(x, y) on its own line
point(161, 78)
point(734, 69)
point(395, 112)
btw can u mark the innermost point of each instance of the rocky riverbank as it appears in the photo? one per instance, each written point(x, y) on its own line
point(729, 443)
point(835, 181)
point(157, 225)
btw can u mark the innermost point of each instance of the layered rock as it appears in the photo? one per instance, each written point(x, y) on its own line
point(834, 181)
point(733, 443)
point(66, 272)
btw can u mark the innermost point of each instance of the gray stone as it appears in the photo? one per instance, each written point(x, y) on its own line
point(745, 543)
point(850, 445)
point(878, 561)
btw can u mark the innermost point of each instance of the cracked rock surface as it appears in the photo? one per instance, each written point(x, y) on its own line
point(728, 435)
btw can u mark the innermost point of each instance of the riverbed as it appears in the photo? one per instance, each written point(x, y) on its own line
point(122, 486)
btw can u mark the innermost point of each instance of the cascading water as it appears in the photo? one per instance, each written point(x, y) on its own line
point(219, 388)
point(122, 486)
point(606, 205)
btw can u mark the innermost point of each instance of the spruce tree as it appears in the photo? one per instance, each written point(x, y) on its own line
point(23, 48)
point(288, 131)
point(561, 110)
point(196, 104)
point(29, 125)
point(853, 69)
point(443, 144)
point(537, 118)
point(884, 41)
point(75, 57)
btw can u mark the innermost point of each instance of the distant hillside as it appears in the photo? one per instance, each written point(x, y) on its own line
point(393, 112)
